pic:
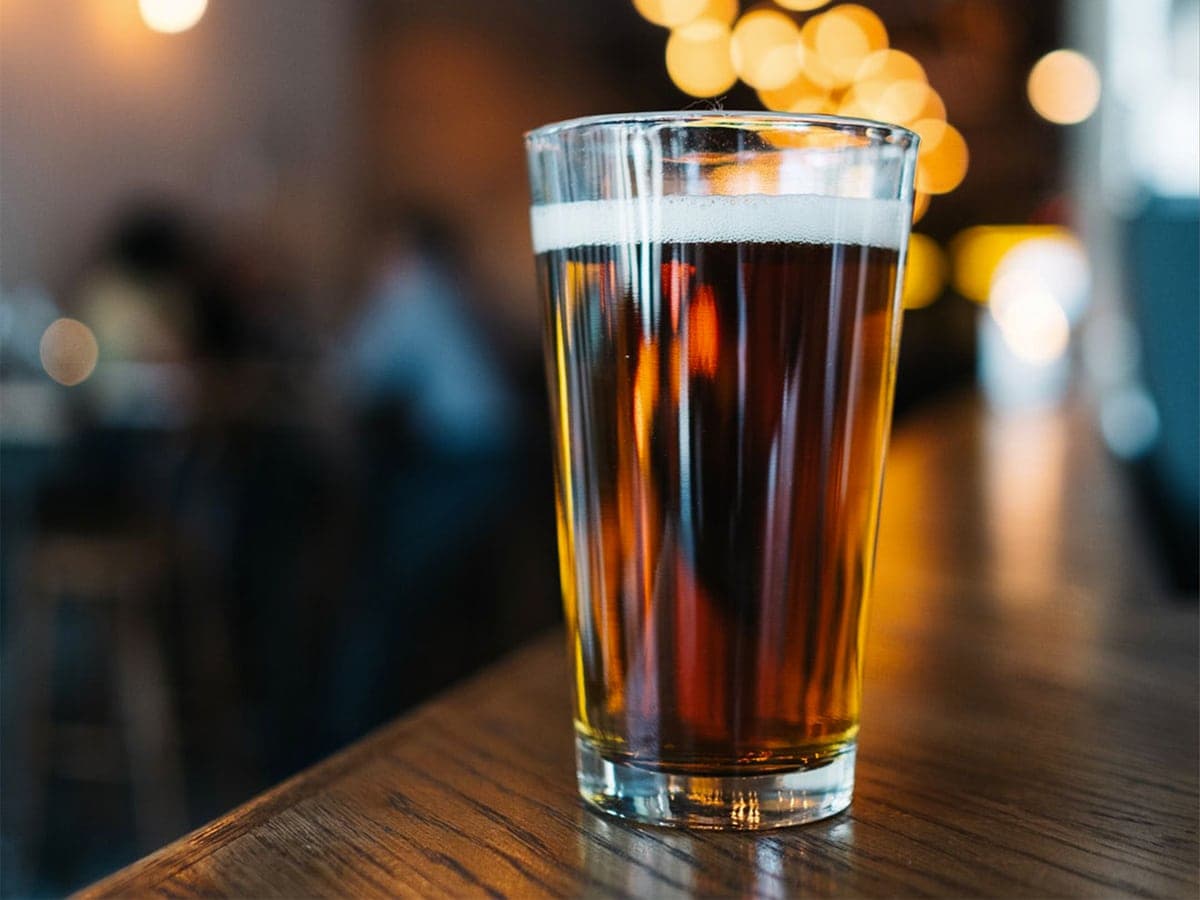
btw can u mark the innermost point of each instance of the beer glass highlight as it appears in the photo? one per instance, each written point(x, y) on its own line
point(722, 312)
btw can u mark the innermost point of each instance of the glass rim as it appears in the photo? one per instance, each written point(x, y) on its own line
point(880, 132)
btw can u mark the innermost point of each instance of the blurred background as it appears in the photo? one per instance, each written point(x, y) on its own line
point(274, 460)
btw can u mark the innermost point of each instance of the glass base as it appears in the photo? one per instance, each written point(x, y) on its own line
point(742, 802)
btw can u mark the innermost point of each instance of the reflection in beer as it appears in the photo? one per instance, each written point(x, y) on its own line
point(721, 407)
point(703, 332)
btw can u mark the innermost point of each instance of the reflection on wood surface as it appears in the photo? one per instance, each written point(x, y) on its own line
point(1024, 733)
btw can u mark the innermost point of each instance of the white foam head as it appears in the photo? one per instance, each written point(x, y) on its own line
point(747, 218)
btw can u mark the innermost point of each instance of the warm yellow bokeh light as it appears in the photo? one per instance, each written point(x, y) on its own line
point(844, 37)
point(868, 22)
point(171, 16)
point(698, 58)
point(925, 271)
point(811, 63)
point(764, 49)
point(841, 44)
point(904, 101)
point(69, 351)
point(799, 95)
point(978, 251)
point(839, 62)
point(669, 13)
point(920, 206)
point(1032, 323)
point(934, 108)
point(1064, 87)
point(899, 102)
point(723, 11)
point(943, 157)
point(890, 65)
point(802, 5)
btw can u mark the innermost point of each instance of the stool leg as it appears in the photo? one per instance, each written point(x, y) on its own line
point(31, 653)
point(150, 728)
point(212, 661)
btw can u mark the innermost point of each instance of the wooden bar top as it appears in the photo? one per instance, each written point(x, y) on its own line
point(1029, 728)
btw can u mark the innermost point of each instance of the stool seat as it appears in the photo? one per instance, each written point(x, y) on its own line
point(122, 576)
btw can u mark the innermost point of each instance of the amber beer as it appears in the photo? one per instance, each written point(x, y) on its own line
point(721, 407)
point(720, 371)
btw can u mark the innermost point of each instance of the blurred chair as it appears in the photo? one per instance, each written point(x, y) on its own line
point(120, 574)
point(121, 577)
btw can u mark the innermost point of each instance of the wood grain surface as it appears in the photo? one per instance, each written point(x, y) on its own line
point(1030, 729)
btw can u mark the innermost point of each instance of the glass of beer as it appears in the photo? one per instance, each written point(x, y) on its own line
point(722, 315)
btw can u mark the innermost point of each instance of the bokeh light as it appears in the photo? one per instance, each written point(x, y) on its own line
point(1057, 263)
point(698, 58)
point(978, 251)
point(1032, 322)
point(844, 37)
point(802, 5)
point(934, 108)
point(69, 351)
point(943, 157)
point(811, 63)
point(723, 11)
point(890, 65)
point(801, 94)
point(764, 49)
point(900, 102)
point(1129, 422)
point(925, 271)
point(171, 16)
point(837, 62)
point(920, 206)
point(1064, 87)
point(669, 13)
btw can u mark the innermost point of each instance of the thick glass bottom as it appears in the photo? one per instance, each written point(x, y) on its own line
point(743, 802)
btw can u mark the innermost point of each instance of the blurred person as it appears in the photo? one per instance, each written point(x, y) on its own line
point(261, 489)
point(139, 298)
point(137, 295)
point(195, 431)
point(415, 347)
point(438, 435)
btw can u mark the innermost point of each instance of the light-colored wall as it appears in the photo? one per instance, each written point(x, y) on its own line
point(246, 118)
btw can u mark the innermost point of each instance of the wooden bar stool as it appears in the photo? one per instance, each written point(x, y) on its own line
point(125, 576)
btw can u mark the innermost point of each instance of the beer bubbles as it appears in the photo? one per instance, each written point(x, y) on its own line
point(835, 62)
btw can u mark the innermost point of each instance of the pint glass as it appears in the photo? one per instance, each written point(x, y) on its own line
point(722, 313)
